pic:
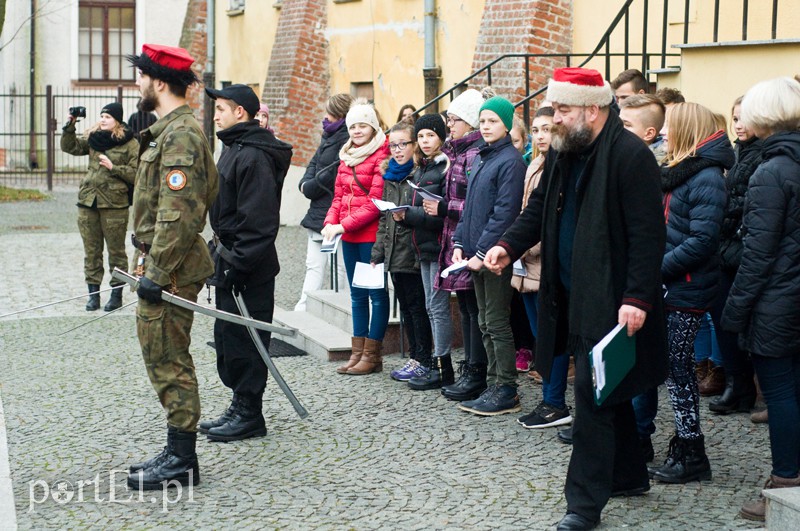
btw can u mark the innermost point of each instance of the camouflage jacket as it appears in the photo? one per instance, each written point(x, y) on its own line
point(108, 187)
point(175, 186)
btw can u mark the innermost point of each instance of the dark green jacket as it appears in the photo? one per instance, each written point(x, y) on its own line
point(393, 245)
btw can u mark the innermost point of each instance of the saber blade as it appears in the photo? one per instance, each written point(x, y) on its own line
point(55, 302)
point(106, 314)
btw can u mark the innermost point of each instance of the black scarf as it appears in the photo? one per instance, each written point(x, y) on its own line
point(674, 176)
point(103, 140)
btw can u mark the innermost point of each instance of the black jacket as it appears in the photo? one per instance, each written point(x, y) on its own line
point(748, 157)
point(246, 213)
point(393, 246)
point(427, 230)
point(617, 252)
point(764, 301)
point(494, 197)
point(320, 176)
point(694, 204)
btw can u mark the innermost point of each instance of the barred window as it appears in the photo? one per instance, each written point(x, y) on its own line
point(106, 34)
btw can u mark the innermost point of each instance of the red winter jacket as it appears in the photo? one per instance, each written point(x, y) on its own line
point(351, 206)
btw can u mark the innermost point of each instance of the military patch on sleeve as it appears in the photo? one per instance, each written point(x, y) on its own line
point(176, 180)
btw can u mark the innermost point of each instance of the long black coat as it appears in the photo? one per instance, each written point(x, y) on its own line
point(320, 176)
point(764, 301)
point(618, 247)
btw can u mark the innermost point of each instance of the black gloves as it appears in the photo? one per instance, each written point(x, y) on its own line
point(234, 279)
point(149, 290)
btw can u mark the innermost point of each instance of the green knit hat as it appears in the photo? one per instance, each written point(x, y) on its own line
point(502, 108)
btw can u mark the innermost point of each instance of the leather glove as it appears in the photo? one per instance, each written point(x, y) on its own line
point(149, 290)
point(234, 280)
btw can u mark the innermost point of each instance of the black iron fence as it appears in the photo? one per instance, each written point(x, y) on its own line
point(30, 132)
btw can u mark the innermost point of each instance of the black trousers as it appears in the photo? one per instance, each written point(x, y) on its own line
point(474, 350)
point(606, 452)
point(239, 364)
point(411, 296)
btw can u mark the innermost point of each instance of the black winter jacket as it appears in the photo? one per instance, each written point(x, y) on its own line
point(427, 230)
point(694, 204)
point(246, 213)
point(748, 157)
point(764, 301)
point(320, 176)
point(494, 197)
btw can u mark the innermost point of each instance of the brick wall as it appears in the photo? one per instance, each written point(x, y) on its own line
point(194, 40)
point(297, 84)
point(520, 26)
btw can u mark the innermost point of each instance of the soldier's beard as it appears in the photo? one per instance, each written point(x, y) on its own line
point(149, 100)
point(571, 139)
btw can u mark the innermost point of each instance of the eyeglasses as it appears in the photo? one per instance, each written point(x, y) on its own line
point(399, 146)
point(451, 120)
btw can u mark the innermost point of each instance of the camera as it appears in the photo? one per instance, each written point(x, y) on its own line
point(77, 112)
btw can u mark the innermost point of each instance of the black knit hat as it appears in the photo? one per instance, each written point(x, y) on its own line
point(434, 122)
point(114, 109)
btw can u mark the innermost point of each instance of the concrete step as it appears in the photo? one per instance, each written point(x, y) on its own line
point(783, 508)
point(335, 308)
point(314, 335)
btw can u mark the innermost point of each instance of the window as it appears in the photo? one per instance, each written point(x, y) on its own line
point(106, 33)
point(235, 7)
point(363, 90)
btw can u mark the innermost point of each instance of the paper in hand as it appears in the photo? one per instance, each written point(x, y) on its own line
point(518, 269)
point(367, 277)
point(330, 246)
point(424, 193)
point(455, 268)
point(388, 206)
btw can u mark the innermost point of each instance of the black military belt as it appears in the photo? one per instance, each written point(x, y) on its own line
point(144, 247)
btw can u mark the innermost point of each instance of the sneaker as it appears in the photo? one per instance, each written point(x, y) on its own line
point(545, 416)
point(565, 435)
point(406, 372)
point(759, 416)
point(524, 357)
point(503, 400)
point(468, 405)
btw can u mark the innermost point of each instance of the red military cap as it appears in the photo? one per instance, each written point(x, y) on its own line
point(167, 63)
point(579, 86)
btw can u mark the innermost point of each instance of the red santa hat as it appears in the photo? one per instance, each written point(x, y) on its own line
point(167, 63)
point(581, 87)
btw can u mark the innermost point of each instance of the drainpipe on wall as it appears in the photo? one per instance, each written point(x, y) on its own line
point(33, 159)
point(208, 75)
point(430, 71)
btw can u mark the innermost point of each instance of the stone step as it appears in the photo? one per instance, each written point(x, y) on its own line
point(783, 508)
point(314, 335)
point(335, 308)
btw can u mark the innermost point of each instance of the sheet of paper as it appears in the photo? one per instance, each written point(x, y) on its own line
point(519, 269)
point(330, 246)
point(384, 206)
point(458, 266)
point(424, 193)
point(368, 277)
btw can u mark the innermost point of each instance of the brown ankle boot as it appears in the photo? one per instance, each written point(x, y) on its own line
point(355, 354)
point(701, 370)
point(757, 509)
point(714, 382)
point(371, 359)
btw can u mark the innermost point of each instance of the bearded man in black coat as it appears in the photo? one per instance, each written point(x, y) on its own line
point(599, 217)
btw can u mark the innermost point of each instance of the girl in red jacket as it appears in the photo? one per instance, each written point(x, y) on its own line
point(353, 215)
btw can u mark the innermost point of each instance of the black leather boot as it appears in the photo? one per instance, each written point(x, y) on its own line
point(469, 386)
point(247, 421)
point(739, 395)
point(687, 462)
point(94, 298)
point(153, 460)
point(115, 302)
point(206, 425)
point(441, 373)
point(177, 465)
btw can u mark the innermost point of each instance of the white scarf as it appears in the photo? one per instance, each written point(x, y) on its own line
point(355, 155)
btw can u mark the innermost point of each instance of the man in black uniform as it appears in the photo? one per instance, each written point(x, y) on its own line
point(245, 218)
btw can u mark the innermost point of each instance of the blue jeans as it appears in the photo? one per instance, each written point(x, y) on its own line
point(554, 388)
point(780, 384)
point(531, 301)
point(360, 297)
point(645, 408)
point(705, 344)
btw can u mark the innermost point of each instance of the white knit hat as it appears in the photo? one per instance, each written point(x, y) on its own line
point(362, 113)
point(581, 87)
point(467, 106)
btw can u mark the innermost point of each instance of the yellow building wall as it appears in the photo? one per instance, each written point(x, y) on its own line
point(244, 43)
point(383, 42)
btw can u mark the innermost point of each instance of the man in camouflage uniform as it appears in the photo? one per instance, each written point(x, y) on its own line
point(175, 185)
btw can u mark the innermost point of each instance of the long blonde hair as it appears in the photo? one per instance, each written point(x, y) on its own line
point(689, 125)
point(118, 133)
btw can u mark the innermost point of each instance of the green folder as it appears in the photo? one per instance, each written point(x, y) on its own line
point(611, 360)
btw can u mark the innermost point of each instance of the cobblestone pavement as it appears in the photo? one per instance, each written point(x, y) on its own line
point(372, 455)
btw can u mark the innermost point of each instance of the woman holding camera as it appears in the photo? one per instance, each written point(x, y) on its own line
point(103, 197)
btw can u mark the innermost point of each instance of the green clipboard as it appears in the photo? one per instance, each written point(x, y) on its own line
point(611, 359)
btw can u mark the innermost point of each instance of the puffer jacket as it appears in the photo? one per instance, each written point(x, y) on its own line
point(351, 206)
point(748, 157)
point(764, 301)
point(103, 188)
point(320, 176)
point(694, 203)
point(494, 197)
point(532, 258)
point(461, 153)
point(427, 230)
point(393, 246)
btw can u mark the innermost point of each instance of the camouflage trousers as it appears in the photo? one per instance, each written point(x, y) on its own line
point(97, 225)
point(164, 332)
